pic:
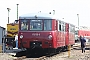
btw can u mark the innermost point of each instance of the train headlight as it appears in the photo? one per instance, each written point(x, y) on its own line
point(21, 36)
point(50, 37)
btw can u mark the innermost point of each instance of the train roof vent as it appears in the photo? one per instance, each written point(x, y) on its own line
point(35, 16)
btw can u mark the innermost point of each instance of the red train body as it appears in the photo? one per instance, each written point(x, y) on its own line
point(83, 31)
point(44, 31)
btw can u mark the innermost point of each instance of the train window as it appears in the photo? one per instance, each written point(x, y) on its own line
point(69, 28)
point(36, 24)
point(12, 29)
point(24, 24)
point(59, 25)
point(72, 29)
point(62, 26)
point(47, 25)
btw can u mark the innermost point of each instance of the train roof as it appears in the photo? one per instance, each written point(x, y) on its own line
point(38, 16)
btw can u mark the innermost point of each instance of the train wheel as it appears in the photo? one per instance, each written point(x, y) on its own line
point(55, 50)
point(59, 49)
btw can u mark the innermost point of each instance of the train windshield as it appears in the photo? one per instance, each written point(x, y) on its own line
point(36, 24)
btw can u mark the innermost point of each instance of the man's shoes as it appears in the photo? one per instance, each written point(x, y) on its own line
point(16, 48)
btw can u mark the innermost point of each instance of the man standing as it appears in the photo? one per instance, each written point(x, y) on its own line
point(16, 39)
point(83, 43)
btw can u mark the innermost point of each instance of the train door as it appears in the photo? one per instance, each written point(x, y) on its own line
point(63, 33)
point(59, 44)
point(66, 34)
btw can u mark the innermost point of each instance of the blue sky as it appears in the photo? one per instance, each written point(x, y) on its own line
point(67, 9)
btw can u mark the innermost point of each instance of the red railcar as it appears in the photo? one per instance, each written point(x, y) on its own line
point(85, 33)
point(82, 31)
point(44, 31)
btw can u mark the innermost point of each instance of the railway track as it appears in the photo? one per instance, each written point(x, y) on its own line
point(40, 58)
point(36, 56)
point(45, 56)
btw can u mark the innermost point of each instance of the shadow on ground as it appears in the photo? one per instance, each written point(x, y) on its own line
point(80, 48)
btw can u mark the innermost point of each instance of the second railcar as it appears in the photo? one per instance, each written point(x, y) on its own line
point(82, 31)
point(12, 30)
